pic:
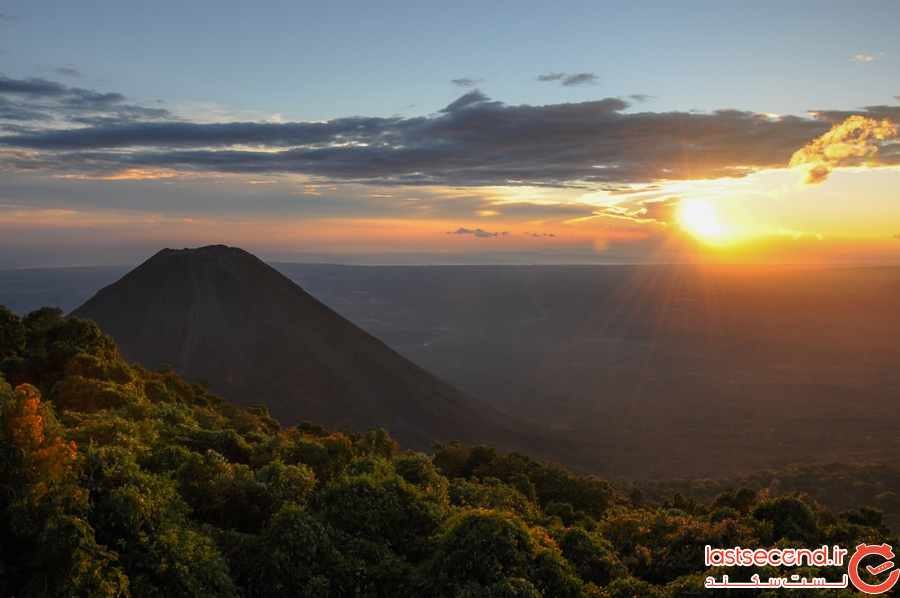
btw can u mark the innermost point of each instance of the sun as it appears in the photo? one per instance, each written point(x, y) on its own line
point(700, 219)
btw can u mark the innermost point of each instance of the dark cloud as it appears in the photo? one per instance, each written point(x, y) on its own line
point(42, 100)
point(641, 97)
point(68, 71)
point(185, 134)
point(474, 141)
point(31, 87)
point(550, 77)
point(569, 79)
point(464, 101)
point(87, 99)
point(477, 232)
point(580, 79)
point(17, 112)
point(878, 111)
point(466, 82)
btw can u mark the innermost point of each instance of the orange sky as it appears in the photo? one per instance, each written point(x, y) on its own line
point(835, 200)
point(771, 215)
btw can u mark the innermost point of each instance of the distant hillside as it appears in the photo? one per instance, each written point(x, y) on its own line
point(221, 316)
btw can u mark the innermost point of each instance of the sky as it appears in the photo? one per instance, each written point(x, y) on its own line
point(433, 132)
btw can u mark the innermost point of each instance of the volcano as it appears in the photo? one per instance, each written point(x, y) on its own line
point(221, 316)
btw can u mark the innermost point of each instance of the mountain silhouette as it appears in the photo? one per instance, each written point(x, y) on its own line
point(221, 316)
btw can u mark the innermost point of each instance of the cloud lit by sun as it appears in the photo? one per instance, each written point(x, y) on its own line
point(856, 140)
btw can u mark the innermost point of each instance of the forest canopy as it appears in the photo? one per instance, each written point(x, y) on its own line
point(120, 481)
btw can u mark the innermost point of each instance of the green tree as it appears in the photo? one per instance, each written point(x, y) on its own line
point(483, 547)
point(297, 556)
point(384, 508)
point(592, 555)
point(790, 517)
point(12, 334)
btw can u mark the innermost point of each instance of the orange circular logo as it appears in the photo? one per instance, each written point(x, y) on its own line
point(880, 550)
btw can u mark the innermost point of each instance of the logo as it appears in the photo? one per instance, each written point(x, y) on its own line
point(870, 560)
point(886, 563)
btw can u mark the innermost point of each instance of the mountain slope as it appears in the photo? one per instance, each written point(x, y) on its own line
point(221, 316)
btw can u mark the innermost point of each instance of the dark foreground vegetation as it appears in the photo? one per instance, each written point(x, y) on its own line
point(117, 481)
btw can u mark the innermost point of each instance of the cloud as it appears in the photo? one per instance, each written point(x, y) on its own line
point(641, 97)
point(864, 58)
point(856, 140)
point(6, 17)
point(580, 79)
point(465, 101)
point(185, 134)
point(31, 87)
point(880, 111)
point(473, 141)
point(68, 71)
point(43, 101)
point(569, 79)
point(130, 174)
point(662, 210)
point(477, 232)
point(530, 211)
point(541, 235)
point(642, 210)
point(551, 77)
point(13, 111)
point(177, 191)
point(466, 82)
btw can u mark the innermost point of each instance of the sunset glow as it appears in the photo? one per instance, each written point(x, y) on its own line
point(699, 218)
point(509, 166)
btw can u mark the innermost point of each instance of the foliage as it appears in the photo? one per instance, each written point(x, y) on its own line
point(119, 481)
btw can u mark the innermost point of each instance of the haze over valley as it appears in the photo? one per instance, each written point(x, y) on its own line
point(646, 371)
